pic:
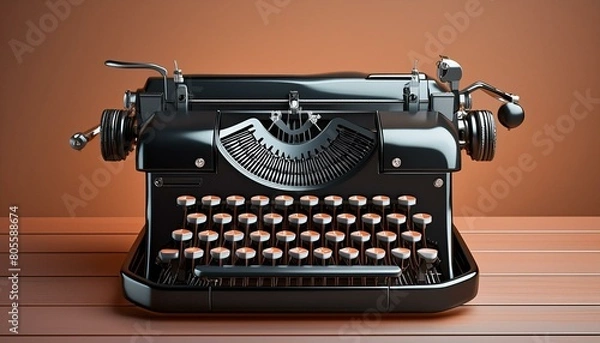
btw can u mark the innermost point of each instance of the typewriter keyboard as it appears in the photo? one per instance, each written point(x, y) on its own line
point(284, 241)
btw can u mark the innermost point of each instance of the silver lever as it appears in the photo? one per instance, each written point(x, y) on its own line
point(137, 65)
point(80, 139)
point(491, 91)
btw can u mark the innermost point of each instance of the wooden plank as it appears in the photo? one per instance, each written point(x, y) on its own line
point(78, 225)
point(524, 224)
point(466, 320)
point(67, 264)
point(493, 290)
point(72, 243)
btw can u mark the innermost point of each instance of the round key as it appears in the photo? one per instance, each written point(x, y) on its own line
point(297, 219)
point(360, 236)
point(323, 253)
point(208, 236)
point(167, 255)
point(349, 253)
point(401, 253)
point(259, 200)
point(428, 254)
point(322, 218)
point(211, 200)
point(186, 200)
point(220, 253)
point(422, 218)
point(235, 200)
point(285, 236)
point(381, 200)
point(245, 253)
point(375, 253)
point(346, 219)
point(260, 236)
point(222, 218)
point(284, 200)
point(234, 235)
point(333, 200)
point(182, 235)
point(272, 218)
point(386, 236)
point(407, 200)
point(247, 218)
point(193, 253)
point(411, 236)
point(357, 200)
point(196, 218)
point(309, 200)
point(298, 253)
point(371, 218)
point(396, 218)
point(272, 253)
point(310, 236)
point(335, 236)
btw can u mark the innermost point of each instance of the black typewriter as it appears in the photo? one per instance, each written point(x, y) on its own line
point(321, 193)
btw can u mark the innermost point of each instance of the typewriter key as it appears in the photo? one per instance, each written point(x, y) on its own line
point(209, 202)
point(181, 236)
point(298, 254)
point(310, 237)
point(234, 202)
point(371, 219)
point(335, 237)
point(349, 256)
point(272, 220)
point(196, 219)
point(208, 236)
point(233, 236)
point(308, 202)
point(361, 237)
point(427, 272)
point(345, 220)
point(395, 219)
point(296, 221)
point(422, 219)
point(380, 203)
point(167, 258)
point(375, 254)
point(259, 202)
point(403, 255)
point(220, 220)
point(387, 237)
point(273, 254)
point(283, 203)
point(245, 254)
point(220, 254)
point(192, 254)
point(185, 201)
point(246, 220)
point(358, 202)
point(412, 237)
point(322, 220)
point(285, 237)
point(406, 202)
point(260, 236)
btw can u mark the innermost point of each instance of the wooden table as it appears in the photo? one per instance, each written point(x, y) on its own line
point(540, 282)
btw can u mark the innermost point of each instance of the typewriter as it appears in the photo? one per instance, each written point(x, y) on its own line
point(318, 193)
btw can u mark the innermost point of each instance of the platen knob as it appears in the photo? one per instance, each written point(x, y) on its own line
point(511, 115)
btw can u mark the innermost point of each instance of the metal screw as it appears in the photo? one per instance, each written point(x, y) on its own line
point(396, 162)
point(438, 183)
point(199, 162)
point(158, 182)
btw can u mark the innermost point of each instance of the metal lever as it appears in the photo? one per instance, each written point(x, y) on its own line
point(137, 65)
point(491, 91)
point(80, 139)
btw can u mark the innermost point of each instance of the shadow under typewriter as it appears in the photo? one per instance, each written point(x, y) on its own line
point(332, 288)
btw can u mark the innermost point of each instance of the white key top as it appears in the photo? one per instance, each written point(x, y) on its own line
point(422, 218)
point(297, 218)
point(357, 200)
point(186, 200)
point(284, 200)
point(401, 253)
point(349, 253)
point(182, 235)
point(375, 253)
point(396, 218)
point(211, 200)
point(386, 236)
point(222, 218)
point(335, 236)
point(346, 219)
point(220, 253)
point(272, 253)
point(208, 236)
point(333, 200)
point(166, 255)
point(196, 218)
point(310, 236)
point(234, 235)
point(298, 253)
point(245, 253)
point(247, 218)
point(322, 218)
point(371, 218)
point(285, 236)
point(235, 200)
point(193, 253)
point(411, 236)
point(259, 200)
point(360, 236)
point(309, 200)
point(260, 236)
point(272, 218)
point(381, 200)
point(428, 254)
point(407, 200)
point(323, 253)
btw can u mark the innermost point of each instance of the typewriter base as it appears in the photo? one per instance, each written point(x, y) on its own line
point(414, 298)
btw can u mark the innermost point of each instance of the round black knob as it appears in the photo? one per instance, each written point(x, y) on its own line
point(511, 115)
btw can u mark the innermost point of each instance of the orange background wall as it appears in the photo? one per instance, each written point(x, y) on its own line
point(545, 51)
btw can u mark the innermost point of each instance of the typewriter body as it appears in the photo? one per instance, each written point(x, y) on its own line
point(323, 193)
